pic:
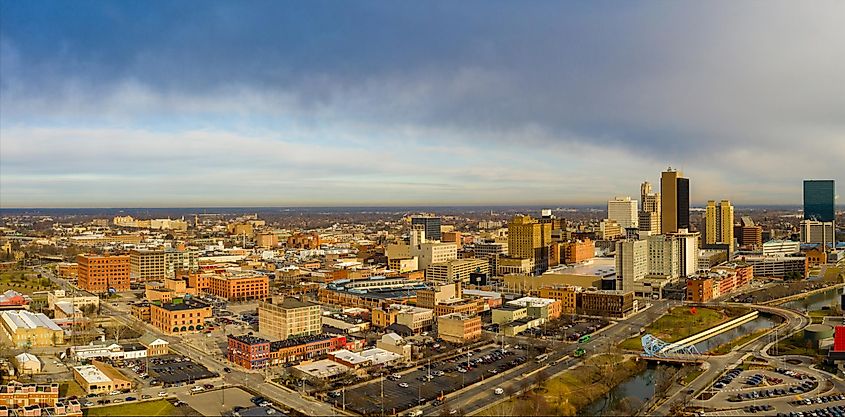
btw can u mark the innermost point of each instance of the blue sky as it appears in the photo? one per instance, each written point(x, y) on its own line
point(432, 103)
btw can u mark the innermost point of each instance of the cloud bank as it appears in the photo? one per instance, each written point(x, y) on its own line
point(315, 103)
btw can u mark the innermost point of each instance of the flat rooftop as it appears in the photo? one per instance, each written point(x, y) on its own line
point(91, 374)
point(599, 267)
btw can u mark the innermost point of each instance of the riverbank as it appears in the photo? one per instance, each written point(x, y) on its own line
point(680, 322)
point(572, 390)
point(784, 300)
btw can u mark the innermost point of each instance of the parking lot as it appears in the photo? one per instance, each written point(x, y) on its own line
point(414, 387)
point(173, 370)
point(737, 385)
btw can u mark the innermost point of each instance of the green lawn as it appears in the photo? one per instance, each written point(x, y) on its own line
point(679, 323)
point(23, 281)
point(145, 408)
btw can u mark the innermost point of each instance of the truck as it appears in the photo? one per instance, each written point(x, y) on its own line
point(579, 352)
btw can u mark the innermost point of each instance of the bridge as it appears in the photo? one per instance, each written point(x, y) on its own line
point(684, 350)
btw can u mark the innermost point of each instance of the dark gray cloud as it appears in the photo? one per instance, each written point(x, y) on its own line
point(736, 88)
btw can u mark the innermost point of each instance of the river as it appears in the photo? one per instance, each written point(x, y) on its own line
point(816, 301)
point(638, 390)
point(752, 326)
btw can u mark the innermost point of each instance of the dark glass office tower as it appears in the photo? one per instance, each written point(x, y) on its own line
point(683, 203)
point(818, 200)
point(431, 225)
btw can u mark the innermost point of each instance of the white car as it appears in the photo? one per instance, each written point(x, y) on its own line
point(196, 388)
point(114, 393)
point(498, 391)
point(396, 376)
point(162, 394)
point(403, 384)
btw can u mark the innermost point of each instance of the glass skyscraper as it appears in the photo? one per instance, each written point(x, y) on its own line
point(818, 200)
point(431, 225)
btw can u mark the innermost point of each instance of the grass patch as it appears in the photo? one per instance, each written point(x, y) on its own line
point(679, 323)
point(572, 390)
point(71, 388)
point(145, 408)
point(796, 345)
point(24, 282)
point(727, 347)
point(692, 375)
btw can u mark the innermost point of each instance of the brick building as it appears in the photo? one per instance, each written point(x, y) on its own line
point(99, 273)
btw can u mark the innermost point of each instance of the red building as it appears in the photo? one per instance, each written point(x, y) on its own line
point(253, 352)
point(839, 339)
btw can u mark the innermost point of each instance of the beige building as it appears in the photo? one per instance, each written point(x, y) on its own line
point(100, 378)
point(456, 269)
point(459, 328)
point(514, 266)
point(77, 299)
point(438, 293)
point(147, 265)
point(289, 318)
point(610, 229)
point(631, 263)
point(649, 216)
point(624, 211)
point(417, 319)
point(403, 265)
point(23, 329)
point(532, 284)
point(719, 223)
point(530, 239)
point(392, 342)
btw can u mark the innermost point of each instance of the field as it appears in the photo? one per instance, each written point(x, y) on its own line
point(572, 390)
point(145, 408)
point(679, 323)
point(24, 282)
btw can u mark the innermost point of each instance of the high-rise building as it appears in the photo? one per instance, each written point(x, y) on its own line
point(674, 192)
point(631, 263)
point(748, 234)
point(99, 273)
point(812, 231)
point(818, 200)
point(530, 239)
point(624, 211)
point(431, 225)
point(649, 216)
point(719, 223)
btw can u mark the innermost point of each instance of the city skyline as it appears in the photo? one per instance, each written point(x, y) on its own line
point(118, 105)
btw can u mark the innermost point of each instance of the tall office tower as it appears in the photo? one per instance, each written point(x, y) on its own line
point(818, 200)
point(530, 239)
point(631, 263)
point(719, 223)
point(431, 225)
point(649, 217)
point(674, 192)
point(748, 234)
point(624, 211)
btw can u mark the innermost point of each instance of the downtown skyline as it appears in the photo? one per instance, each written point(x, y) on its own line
point(118, 105)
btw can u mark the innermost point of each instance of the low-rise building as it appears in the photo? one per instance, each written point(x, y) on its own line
point(321, 370)
point(776, 266)
point(253, 352)
point(155, 345)
point(394, 343)
point(543, 308)
point(566, 294)
point(368, 358)
point(180, 316)
point(610, 303)
point(24, 329)
point(456, 269)
point(17, 395)
point(27, 364)
point(239, 287)
point(459, 328)
point(100, 378)
point(78, 299)
point(417, 319)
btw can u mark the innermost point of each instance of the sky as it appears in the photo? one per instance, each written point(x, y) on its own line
point(321, 103)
